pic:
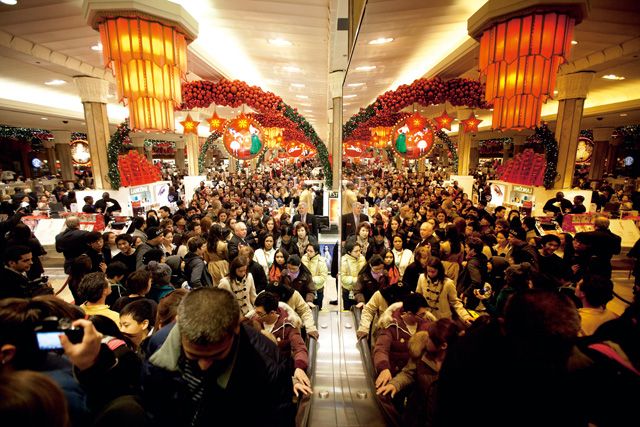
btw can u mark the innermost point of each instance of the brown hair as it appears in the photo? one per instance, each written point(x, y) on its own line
point(168, 307)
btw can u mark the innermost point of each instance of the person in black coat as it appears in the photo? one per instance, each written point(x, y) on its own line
point(71, 242)
point(307, 218)
point(351, 221)
point(107, 205)
point(238, 239)
point(604, 245)
point(257, 271)
point(474, 275)
point(21, 235)
point(13, 277)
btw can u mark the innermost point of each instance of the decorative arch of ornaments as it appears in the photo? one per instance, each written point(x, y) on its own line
point(385, 110)
point(272, 112)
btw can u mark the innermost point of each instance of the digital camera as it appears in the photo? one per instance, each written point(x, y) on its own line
point(50, 329)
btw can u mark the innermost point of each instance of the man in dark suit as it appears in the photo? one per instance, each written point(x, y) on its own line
point(13, 276)
point(351, 221)
point(237, 240)
point(71, 242)
point(604, 245)
point(306, 218)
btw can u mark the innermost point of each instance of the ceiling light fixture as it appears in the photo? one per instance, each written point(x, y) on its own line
point(308, 111)
point(298, 85)
point(44, 118)
point(55, 82)
point(355, 84)
point(612, 77)
point(9, 2)
point(280, 42)
point(623, 114)
point(97, 47)
point(366, 68)
point(302, 96)
point(381, 40)
point(291, 69)
point(574, 42)
point(350, 96)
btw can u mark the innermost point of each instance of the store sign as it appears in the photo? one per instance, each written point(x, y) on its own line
point(523, 189)
point(140, 190)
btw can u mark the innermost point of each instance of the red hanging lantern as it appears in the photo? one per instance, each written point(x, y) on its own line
point(520, 58)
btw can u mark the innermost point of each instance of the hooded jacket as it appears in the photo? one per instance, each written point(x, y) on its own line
point(196, 271)
point(317, 266)
point(286, 332)
point(303, 283)
point(391, 351)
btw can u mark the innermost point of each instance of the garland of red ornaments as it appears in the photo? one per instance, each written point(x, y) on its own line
point(203, 93)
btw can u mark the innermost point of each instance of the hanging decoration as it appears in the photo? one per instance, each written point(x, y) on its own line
point(520, 58)
point(380, 136)
point(273, 137)
point(526, 168)
point(149, 60)
point(242, 137)
point(584, 150)
point(201, 94)
point(471, 124)
point(413, 137)
point(80, 152)
point(190, 125)
point(216, 123)
point(114, 149)
point(211, 139)
point(353, 149)
point(444, 120)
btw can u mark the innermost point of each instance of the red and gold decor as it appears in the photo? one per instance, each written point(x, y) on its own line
point(80, 152)
point(136, 169)
point(353, 149)
point(444, 121)
point(413, 137)
point(527, 168)
point(522, 45)
point(585, 149)
point(216, 123)
point(242, 137)
point(273, 137)
point(471, 124)
point(190, 125)
point(380, 137)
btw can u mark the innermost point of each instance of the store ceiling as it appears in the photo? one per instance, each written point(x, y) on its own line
point(234, 42)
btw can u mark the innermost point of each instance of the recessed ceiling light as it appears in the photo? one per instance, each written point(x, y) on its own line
point(44, 118)
point(306, 104)
point(9, 2)
point(366, 68)
point(55, 82)
point(350, 96)
point(83, 123)
point(346, 104)
point(291, 69)
point(300, 85)
point(623, 114)
point(308, 111)
point(97, 47)
point(355, 84)
point(555, 92)
point(280, 42)
point(612, 77)
point(302, 96)
point(381, 40)
point(574, 42)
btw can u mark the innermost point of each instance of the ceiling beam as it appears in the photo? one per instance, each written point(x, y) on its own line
point(597, 59)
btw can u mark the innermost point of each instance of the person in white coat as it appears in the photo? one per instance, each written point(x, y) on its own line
point(240, 283)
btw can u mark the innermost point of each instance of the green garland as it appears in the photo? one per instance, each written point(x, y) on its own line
point(452, 148)
point(543, 135)
point(309, 131)
point(203, 151)
point(114, 148)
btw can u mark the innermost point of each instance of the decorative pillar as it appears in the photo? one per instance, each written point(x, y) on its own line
point(421, 166)
point(443, 154)
point(464, 142)
point(180, 154)
point(93, 94)
point(601, 137)
point(49, 147)
point(62, 139)
point(572, 91)
point(518, 144)
point(474, 155)
point(336, 80)
point(193, 152)
point(506, 152)
point(137, 141)
point(233, 165)
point(612, 154)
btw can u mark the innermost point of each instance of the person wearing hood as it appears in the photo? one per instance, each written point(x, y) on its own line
point(378, 304)
point(283, 326)
point(291, 298)
point(396, 326)
point(317, 266)
point(160, 280)
point(194, 266)
point(370, 279)
point(298, 277)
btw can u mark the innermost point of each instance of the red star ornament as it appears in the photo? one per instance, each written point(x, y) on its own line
point(190, 125)
point(242, 122)
point(471, 124)
point(444, 121)
point(216, 123)
point(416, 122)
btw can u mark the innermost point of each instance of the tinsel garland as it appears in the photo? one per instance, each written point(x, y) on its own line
point(452, 148)
point(114, 149)
point(78, 135)
point(203, 150)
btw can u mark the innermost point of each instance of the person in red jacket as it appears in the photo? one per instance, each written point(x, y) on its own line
point(396, 326)
point(283, 326)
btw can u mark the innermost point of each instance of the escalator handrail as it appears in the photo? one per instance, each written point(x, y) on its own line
point(391, 416)
point(304, 403)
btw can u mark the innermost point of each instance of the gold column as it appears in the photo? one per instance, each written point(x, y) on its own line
point(464, 142)
point(137, 141)
point(572, 91)
point(93, 94)
point(51, 156)
point(193, 151)
point(336, 80)
point(518, 144)
point(62, 139)
point(601, 137)
point(180, 154)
